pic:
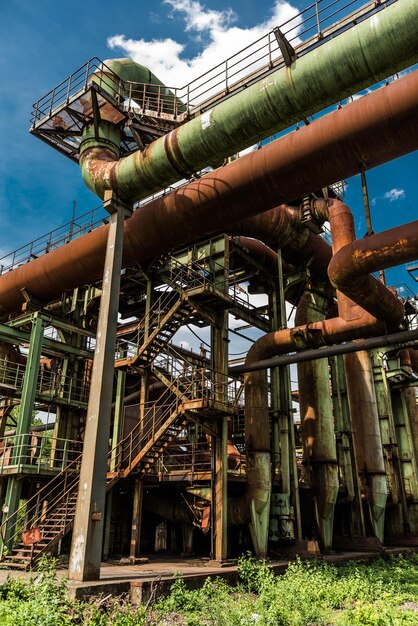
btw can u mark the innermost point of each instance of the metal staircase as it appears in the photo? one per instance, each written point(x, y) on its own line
point(50, 514)
point(190, 393)
point(162, 321)
point(138, 345)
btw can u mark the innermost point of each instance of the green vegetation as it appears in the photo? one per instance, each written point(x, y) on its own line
point(309, 594)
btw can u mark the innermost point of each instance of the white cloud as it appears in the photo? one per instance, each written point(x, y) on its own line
point(197, 18)
point(394, 194)
point(166, 58)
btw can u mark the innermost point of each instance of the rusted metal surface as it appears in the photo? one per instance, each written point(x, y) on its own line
point(369, 52)
point(359, 373)
point(261, 253)
point(350, 267)
point(281, 227)
point(409, 358)
point(376, 128)
point(31, 536)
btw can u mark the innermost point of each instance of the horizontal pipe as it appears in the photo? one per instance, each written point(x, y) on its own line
point(281, 227)
point(374, 129)
point(406, 337)
point(375, 48)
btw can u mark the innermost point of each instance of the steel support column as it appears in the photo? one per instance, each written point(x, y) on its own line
point(30, 382)
point(219, 357)
point(86, 547)
point(136, 520)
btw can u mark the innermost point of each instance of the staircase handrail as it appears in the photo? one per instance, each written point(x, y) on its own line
point(152, 317)
point(36, 499)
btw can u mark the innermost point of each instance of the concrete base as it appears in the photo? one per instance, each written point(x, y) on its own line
point(156, 577)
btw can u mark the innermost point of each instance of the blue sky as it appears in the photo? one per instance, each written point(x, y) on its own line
point(40, 44)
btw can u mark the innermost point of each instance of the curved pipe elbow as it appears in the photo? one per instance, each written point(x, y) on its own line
point(349, 269)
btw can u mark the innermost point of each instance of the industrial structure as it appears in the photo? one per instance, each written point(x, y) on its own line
point(152, 445)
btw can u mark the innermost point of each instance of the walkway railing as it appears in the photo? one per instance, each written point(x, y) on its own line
point(52, 384)
point(54, 494)
point(304, 31)
point(195, 458)
point(82, 225)
point(40, 451)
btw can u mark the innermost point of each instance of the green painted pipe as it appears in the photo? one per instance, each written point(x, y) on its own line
point(116, 74)
point(317, 421)
point(377, 47)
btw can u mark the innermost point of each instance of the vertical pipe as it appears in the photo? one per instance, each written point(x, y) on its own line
point(360, 390)
point(367, 438)
point(348, 454)
point(317, 423)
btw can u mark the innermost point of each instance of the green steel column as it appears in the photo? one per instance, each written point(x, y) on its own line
point(317, 423)
point(365, 54)
point(31, 376)
point(281, 394)
point(86, 549)
point(275, 393)
point(29, 387)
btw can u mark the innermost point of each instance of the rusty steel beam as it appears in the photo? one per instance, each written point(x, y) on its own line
point(373, 130)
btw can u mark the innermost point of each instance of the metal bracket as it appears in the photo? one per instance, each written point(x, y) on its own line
point(113, 204)
point(286, 48)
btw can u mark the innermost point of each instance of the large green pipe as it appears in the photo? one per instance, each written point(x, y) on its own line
point(128, 79)
point(317, 421)
point(365, 54)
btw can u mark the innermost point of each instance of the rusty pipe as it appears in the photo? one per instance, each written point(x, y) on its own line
point(281, 227)
point(366, 435)
point(351, 264)
point(372, 130)
point(409, 358)
point(261, 253)
point(358, 369)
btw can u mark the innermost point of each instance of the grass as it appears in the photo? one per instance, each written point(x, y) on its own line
point(308, 594)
